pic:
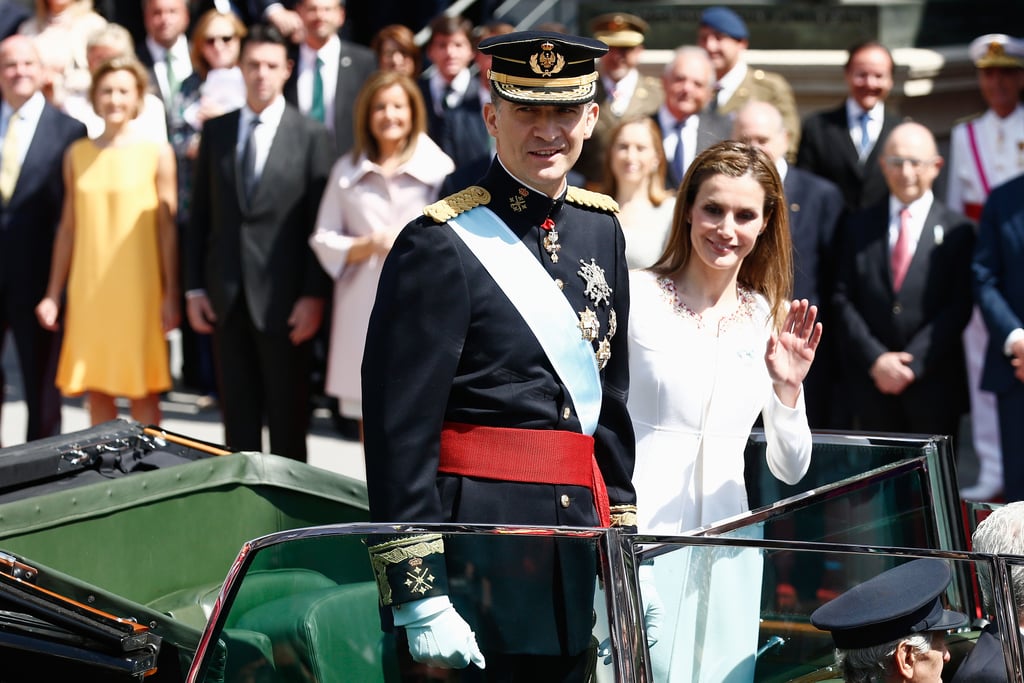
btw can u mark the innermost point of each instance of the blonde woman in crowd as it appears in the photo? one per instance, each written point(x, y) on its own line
point(635, 167)
point(116, 252)
point(392, 172)
point(61, 29)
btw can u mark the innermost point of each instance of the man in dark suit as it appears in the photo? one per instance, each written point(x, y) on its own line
point(687, 126)
point(454, 109)
point(328, 71)
point(35, 137)
point(815, 208)
point(902, 298)
point(11, 16)
point(999, 291)
point(165, 51)
point(1001, 533)
point(842, 144)
point(251, 278)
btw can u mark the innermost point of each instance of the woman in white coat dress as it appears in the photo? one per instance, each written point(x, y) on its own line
point(392, 172)
point(713, 342)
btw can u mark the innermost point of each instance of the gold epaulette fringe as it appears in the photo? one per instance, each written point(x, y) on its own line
point(443, 210)
point(593, 200)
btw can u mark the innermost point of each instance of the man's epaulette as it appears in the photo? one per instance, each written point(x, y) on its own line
point(970, 117)
point(443, 210)
point(593, 200)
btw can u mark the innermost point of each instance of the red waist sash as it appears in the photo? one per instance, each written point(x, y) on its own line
point(532, 456)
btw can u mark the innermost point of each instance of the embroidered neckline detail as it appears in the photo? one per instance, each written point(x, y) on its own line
point(744, 311)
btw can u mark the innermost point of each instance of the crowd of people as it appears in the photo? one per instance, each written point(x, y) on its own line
point(855, 180)
point(267, 185)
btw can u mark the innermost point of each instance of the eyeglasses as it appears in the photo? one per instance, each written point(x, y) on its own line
point(898, 162)
point(213, 40)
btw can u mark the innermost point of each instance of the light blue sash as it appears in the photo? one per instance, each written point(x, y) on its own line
point(543, 306)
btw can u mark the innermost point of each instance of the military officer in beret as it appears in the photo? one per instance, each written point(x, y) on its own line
point(724, 35)
point(622, 91)
point(495, 380)
point(893, 626)
point(985, 151)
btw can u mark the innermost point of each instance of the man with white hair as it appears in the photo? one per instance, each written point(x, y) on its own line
point(1001, 533)
point(687, 127)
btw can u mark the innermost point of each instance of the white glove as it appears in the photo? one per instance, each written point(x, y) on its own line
point(438, 636)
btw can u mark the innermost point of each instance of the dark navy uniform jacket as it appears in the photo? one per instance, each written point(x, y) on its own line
point(445, 344)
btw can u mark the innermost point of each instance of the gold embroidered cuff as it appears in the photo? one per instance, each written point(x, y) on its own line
point(623, 515)
point(400, 551)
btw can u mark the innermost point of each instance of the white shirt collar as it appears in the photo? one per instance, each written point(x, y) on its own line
point(29, 111)
point(271, 116)
point(330, 53)
point(728, 83)
point(854, 110)
point(782, 167)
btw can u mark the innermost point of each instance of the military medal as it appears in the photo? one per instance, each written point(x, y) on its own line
point(551, 244)
point(589, 325)
point(604, 353)
point(613, 323)
point(597, 287)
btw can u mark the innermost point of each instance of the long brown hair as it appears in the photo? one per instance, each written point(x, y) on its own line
point(365, 143)
point(768, 268)
point(656, 183)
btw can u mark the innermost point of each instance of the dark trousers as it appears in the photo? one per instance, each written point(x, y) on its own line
point(262, 376)
point(1011, 433)
point(38, 352)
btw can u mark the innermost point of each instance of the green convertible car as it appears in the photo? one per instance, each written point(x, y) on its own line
point(130, 554)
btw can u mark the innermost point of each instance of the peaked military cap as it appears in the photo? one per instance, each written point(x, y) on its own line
point(724, 20)
point(543, 67)
point(619, 29)
point(895, 604)
point(997, 50)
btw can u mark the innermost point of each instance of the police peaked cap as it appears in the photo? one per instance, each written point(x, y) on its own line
point(543, 67)
point(895, 604)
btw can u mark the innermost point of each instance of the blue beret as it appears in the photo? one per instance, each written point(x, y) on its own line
point(724, 20)
point(895, 604)
point(541, 67)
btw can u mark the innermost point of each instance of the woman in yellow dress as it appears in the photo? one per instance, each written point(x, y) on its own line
point(116, 250)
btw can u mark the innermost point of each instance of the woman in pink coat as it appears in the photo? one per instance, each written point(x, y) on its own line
point(392, 172)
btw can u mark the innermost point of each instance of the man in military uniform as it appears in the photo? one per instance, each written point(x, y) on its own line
point(622, 91)
point(984, 152)
point(725, 37)
point(893, 627)
point(495, 379)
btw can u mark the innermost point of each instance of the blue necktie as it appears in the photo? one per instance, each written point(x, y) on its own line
point(678, 160)
point(865, 137)
point(316, 111)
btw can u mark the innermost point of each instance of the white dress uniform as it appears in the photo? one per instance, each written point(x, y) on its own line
point(985, 151)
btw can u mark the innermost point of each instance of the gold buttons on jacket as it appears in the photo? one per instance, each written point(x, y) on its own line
point(559, 283)
point(566, 413)
point(564, 500)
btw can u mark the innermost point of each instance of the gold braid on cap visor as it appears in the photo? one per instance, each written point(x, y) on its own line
point(576, 90)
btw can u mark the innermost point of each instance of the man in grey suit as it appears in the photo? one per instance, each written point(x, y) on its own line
point(687, 128)
point(328, 71)
point(34, 138)
point(251, 278)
